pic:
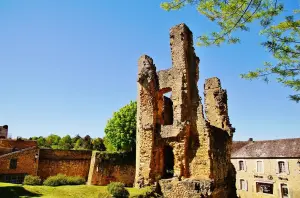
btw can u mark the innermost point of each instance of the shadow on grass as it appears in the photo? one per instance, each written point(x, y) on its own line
point(16, 192)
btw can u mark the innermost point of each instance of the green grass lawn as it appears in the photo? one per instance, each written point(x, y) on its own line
point(81, 191)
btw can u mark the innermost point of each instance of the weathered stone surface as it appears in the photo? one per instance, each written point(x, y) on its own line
point(68, 162)
point(173, 188)
point(200, 146)
point(26, 162)
point(17, 144)
point(3, 132)
point(112, 167)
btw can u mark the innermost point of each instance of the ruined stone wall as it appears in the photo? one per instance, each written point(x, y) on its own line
point(5, 150)
point(200, 145)
point(17, 144)
point(112, 167)
point(216, 111)
point(26, 162)
point(68, 162)
point(185, 188)
point(3, 131)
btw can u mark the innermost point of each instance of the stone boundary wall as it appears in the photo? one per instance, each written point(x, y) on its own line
point(5, 150)
point(68, 162)
point(26, 162)
point(112, 167)
point(17, 144)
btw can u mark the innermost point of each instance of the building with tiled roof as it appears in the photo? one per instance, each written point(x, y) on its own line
point(268, 168)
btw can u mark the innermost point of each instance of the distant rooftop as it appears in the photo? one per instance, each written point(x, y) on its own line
point(266, 148)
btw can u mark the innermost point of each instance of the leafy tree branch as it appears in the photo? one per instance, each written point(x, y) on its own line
point(282, 38)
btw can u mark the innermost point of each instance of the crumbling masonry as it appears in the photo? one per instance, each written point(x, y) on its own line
point(188, 153)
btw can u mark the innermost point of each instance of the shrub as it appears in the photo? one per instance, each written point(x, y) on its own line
point(76, 180)
point(32, 180)
point(57, 180)
point(60, 180)
point(117, 190)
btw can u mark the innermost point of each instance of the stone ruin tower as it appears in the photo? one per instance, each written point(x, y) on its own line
point(186, 151)
point(3, 132)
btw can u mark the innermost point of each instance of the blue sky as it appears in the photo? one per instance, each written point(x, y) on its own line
point(66, 66)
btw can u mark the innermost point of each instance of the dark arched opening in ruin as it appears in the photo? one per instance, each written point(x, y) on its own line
point(168, 171)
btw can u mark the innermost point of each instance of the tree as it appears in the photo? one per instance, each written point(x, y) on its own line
point(41, 141)
point(282, 38)
point(121, 128)
point(52, 140)
point(74, 139)
point(98, 144)
point(65, 143)
point(87, 142)
point(108, 145)
point(79, 144)
point(34, 138)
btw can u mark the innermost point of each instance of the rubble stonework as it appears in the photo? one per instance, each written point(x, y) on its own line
point(3, 132)
point(176, 127)
point(112, 167)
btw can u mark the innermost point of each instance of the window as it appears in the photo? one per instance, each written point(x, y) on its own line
point(259, 167)
point(264, 188)
point(241, 165)
point(243, 184)
point(284, 191)
point(281, 167)
point(13, 164)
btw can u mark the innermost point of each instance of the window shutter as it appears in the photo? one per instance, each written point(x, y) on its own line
point(245, 165)
point(239, 184)
point(286, 164)
point(246, 182)
point(277, 167)
point(256, 166)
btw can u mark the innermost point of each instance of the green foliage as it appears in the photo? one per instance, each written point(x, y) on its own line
point(118, 158)
point(117, 190)
point(41, 141)
point(32, 180)
point(232, 16)
point(98, 144)
point(68, 143)
point(79, 144)
point(87, 142)
point(65, 143)
point(74, 139)
point(108, 145)
point(52, 141)
point(75, 180)
point(57, 180)
point(147, 192)
point(8, 190)
point(121, 128)
point(60, 180)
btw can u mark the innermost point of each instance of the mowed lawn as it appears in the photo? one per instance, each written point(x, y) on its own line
point(82, 191)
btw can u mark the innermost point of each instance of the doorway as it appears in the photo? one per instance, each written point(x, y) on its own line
point(168, 162)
